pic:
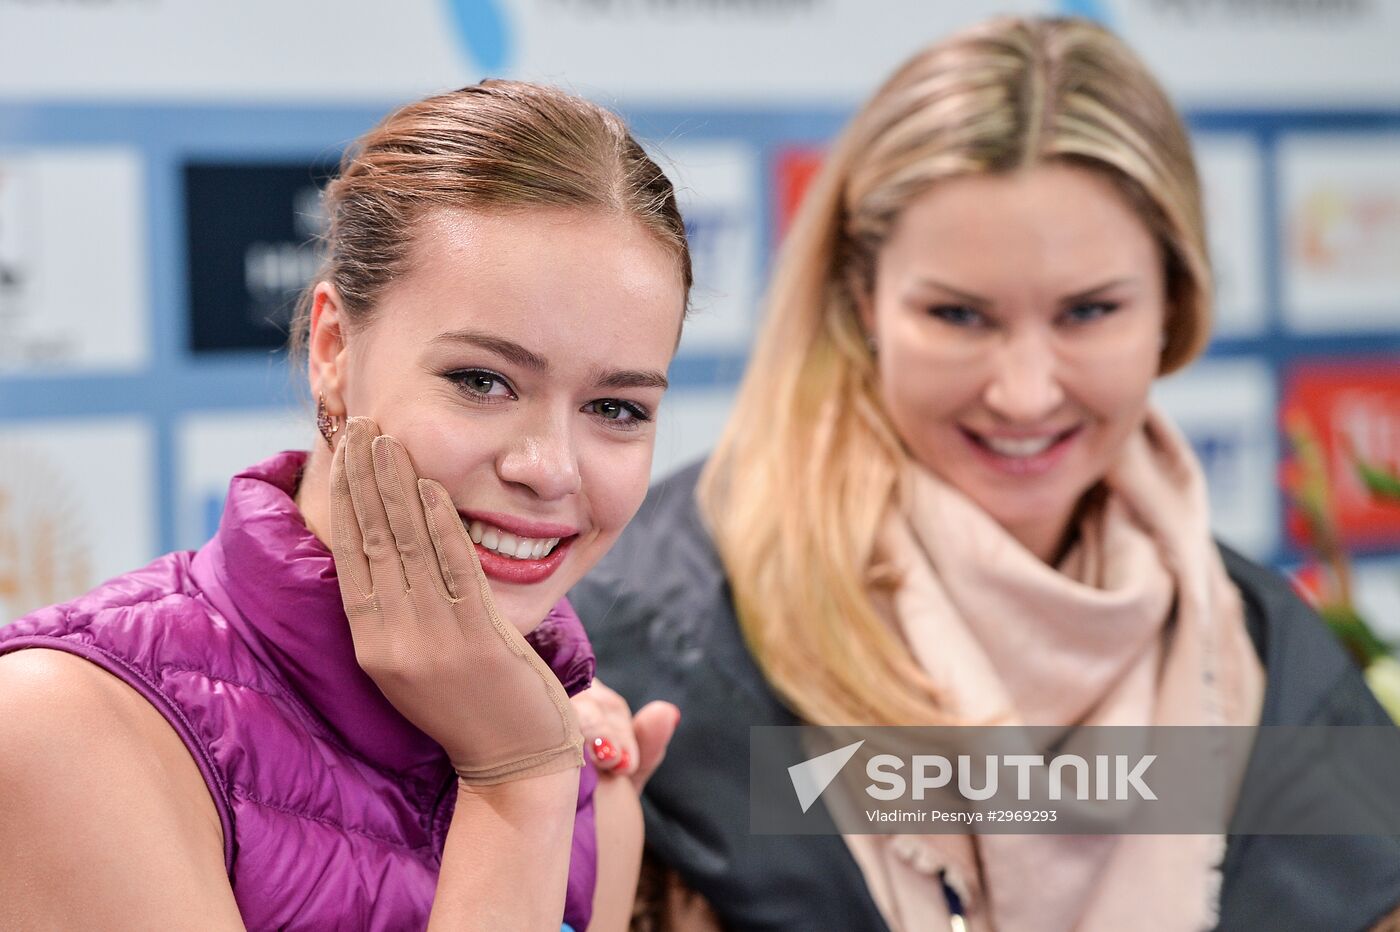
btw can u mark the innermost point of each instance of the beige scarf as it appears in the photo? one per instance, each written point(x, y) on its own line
point(1010, 639)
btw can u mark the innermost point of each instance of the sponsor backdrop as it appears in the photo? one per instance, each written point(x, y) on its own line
point(159, 172)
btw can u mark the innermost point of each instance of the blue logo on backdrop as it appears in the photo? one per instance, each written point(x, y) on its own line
point(1221, 455)
point(1089, 9)
point(213, 509)
point(706, 230)
point(483, 32)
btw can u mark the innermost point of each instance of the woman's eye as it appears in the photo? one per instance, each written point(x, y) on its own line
point(959, 315)
point(1092, 310)
point(618, 413)
point(482, 382)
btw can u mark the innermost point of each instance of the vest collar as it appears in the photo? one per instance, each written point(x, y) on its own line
point(266, 573)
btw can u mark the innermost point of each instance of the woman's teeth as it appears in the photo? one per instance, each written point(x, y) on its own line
point(511, 545)
point(1029, 446)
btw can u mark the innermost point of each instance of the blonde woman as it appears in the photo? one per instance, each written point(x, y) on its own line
point(943, 497)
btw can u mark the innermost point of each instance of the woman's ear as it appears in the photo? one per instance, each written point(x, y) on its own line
point(327, 357)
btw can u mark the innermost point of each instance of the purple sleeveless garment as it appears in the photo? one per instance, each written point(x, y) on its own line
point(334, 807)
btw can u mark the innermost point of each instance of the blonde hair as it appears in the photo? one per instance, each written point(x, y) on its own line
point(497, 145)
point(801, 478)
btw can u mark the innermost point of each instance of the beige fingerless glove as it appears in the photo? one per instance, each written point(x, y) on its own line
point(425, 627)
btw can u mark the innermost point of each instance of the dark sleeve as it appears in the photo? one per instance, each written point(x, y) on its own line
point(1334, 882)
point(660, 615)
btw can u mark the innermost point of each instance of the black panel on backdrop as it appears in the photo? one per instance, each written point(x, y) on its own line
point(250, 234)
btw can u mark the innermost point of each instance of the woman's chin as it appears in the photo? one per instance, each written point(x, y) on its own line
point(521, 610)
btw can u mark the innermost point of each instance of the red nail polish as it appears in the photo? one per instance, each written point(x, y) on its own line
point(623, 761)
point(603, 750)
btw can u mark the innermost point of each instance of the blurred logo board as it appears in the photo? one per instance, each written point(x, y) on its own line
point(1232, 189)
point(1226, 408)
point(214, 446)
point(251, 234)
point(794, 169)
point(73, 294)
point(19, 220)
point(1089, 9)
point(1353, 406)
point(717, 189)
point(810, 52)
point(1261, 52)
point(484, 32)
point(1341, 238)
point(76, 503)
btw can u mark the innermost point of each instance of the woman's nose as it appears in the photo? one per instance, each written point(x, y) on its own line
point(543, 460)
point(1025, 384)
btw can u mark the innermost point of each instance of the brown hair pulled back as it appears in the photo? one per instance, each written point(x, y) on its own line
point(493, 146)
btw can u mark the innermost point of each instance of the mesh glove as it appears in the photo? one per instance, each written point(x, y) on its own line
point(425, 628)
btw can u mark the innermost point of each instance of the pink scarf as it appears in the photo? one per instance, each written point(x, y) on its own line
point(1012, 640)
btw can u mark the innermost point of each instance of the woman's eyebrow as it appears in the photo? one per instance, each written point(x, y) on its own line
point(1090, 293)
point(956, 293)
point(508, 350)
point(513, 352)
point(960, 295)
point(631, 378)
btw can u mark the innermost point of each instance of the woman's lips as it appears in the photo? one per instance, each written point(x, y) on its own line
point(524, 527)
point(511, 570)
point(1036, 464)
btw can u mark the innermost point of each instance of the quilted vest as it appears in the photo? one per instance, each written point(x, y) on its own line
point(334, 807)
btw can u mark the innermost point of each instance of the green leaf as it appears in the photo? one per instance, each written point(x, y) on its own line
point(1358, 638)
point(1381, 483)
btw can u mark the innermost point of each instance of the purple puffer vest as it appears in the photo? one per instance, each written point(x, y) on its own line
point(334, 807)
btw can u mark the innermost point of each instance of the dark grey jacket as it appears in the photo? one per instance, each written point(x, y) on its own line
point(659, 612)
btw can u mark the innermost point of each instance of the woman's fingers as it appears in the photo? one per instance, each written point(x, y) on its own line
point(347, 544)
point(653, 727)
point(619, 742)
point(458, 564)
point(386, 573)
point(398, 491)
point(430, 637)
point(605, 720)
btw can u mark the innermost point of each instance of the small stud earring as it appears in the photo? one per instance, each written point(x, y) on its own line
point(327, 425)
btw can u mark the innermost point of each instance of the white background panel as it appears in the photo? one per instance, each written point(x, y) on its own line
point(76, 508)
point(1377, 595)
point(1260, 52)
point(717, 190)
point(1227, 410)
point(1231, 183)
point(73, 295)
point(688, 51)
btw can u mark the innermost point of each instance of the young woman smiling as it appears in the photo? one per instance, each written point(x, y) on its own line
point(944, 497)
point(348, 710)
